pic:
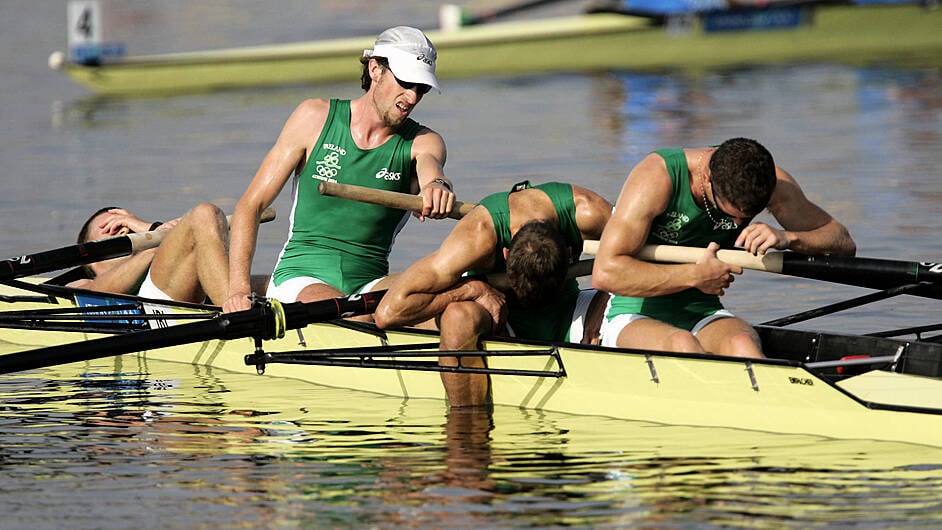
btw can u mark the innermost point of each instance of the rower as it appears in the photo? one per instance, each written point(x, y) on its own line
point(703, 197)
point(534, 232)
point(190, 265)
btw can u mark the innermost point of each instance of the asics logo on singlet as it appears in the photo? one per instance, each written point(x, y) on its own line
point(386, 174)
point(328, 167)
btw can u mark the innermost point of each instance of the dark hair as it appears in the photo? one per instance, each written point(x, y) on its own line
point(537, 262)
point(365, 80)
point(743, 173)
point(83, 233)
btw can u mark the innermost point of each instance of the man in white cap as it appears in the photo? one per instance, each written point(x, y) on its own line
point(335, 246)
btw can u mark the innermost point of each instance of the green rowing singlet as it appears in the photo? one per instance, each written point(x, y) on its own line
point(553, 322)
point(342, 242)
point(682, 223)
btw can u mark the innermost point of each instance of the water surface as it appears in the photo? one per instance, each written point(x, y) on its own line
point(124, 444)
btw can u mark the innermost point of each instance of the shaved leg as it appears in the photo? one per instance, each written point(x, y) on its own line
point(193, 261)
point(461, 324)
point(650, 334)
point(317, 291)
point(731, 336)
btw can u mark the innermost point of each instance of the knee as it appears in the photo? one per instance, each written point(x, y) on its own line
point(746, 343)
point(207, 214)
point(460, 314)
point(461, 323)
point(206, 217)
point(683, 341)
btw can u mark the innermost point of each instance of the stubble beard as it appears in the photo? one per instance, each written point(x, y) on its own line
point(389, 114)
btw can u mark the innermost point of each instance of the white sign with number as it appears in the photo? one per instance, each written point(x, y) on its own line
point(84, 22)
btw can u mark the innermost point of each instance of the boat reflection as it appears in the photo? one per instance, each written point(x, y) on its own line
point(283, 450)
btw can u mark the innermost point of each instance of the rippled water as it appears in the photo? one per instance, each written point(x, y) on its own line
point(126, 444)
point(112, 446)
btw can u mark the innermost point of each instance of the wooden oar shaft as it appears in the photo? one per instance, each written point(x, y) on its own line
point(90, 252)
point(862, 272)
point(771, 262)
point(389, 199)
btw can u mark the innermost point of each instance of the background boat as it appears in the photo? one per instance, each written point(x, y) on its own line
point(653, 36)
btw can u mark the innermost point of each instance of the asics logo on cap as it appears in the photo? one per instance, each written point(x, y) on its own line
point(422, 57)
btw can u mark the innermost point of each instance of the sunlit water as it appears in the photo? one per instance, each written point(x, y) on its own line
point(108, 445)
point(117, 444)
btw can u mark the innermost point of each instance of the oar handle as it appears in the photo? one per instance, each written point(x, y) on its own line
point(145, 240)
point(770, 262)
point(389, 199)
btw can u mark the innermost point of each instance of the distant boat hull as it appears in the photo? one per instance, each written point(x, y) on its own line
point(593, 42)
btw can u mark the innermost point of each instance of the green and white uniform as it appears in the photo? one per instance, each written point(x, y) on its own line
point(553, 322)
point(340, 242)
point(682, 223)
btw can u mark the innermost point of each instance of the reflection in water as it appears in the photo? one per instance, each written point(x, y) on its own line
point(202, 446)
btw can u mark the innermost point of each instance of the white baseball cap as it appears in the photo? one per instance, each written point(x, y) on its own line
point(410, 54)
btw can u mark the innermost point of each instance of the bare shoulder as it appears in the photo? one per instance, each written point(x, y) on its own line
point(592, 212)
point(427, 139)
point(652, 164)
point(787, 191)
point(470, 245)
point(476, 229)
point(589, 198)
point(312, 109)
point(313, 106)
point(306, 121)
point(646, 192)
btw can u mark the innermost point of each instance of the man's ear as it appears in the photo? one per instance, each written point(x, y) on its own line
point(506, 253)
point(376, 70)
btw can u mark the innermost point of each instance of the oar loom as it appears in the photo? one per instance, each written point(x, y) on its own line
point(923, 278)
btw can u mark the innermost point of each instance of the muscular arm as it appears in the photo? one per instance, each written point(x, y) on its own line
point(807, 228)
point(429, 153)
point(121, 275)
point(645, 195)
point(592, 212)
point(428, 286)
point(287, 155)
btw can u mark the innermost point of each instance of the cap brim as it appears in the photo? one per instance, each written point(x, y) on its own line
point(407, 67)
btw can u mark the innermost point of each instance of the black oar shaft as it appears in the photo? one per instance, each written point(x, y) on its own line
point(260, 321)
point(89, 252)
point(231, 326)
point(64, 257)
point(873, 273)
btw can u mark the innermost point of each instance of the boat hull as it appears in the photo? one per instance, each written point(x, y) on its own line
point(586, 43)
point(776, 395)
